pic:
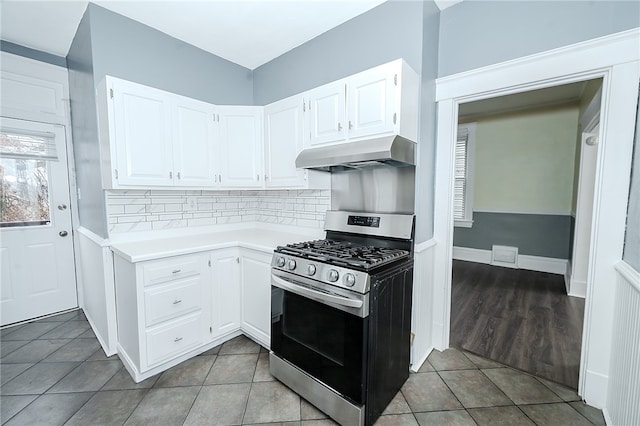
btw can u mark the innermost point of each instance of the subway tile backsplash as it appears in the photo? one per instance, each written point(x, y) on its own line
point(146, 210)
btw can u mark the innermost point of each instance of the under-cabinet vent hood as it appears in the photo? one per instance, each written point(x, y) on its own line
point(390, 150)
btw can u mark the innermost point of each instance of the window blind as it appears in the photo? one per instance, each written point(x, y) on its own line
point(460, 177)
point(22, 145)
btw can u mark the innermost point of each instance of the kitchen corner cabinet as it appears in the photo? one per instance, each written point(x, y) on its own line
point(284, 130)
point(241, 139)
point(376, 102)
point(256, 295)
point(172, 308)
point(163, 310)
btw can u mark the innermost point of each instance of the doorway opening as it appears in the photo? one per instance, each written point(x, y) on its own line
point(523, 198)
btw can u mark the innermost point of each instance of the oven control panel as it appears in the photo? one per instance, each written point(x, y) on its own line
point(330, 274)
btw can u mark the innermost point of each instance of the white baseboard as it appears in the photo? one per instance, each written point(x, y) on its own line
point(578, 288)
point(415, 366)
point(532, 263)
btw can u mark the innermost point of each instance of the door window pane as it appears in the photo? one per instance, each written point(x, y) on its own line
point(24, 196)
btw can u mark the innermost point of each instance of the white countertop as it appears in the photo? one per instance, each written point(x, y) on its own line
point(158, 245)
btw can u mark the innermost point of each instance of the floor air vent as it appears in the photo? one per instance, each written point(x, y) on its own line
point(504, 256)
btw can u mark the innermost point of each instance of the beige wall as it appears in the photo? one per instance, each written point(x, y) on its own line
point(525, 161)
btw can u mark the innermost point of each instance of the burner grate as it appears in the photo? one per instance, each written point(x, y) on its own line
point(344, 253)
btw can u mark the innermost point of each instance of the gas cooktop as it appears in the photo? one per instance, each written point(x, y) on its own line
point(344, 253)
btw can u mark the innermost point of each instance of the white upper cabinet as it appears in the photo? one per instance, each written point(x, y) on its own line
point(141, 127)
point(370, 102)
point(283, 130)
point(150, 137)
point(327, 111)
point(241, 136)
point(195, 142)
point(376, 102)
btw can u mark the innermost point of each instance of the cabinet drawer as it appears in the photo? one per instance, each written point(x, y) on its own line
point(174, 339)
point(166, 301)
point(159, 271)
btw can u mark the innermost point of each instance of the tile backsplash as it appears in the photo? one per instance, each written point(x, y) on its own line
point(145, 210)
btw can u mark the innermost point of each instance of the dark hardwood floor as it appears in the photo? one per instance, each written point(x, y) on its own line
point(517, 317)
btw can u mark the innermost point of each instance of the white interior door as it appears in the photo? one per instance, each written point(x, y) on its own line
point(36, 247)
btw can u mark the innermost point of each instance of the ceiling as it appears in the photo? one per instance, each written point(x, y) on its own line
point(550, 96)
point(247, 32)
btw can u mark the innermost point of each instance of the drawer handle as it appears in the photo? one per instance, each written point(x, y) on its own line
point(175, 271)
point(175, 302)
point(177, 339)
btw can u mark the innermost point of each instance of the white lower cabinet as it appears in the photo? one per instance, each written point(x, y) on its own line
point(256, 295)
point(225, 265)
point(173, 308)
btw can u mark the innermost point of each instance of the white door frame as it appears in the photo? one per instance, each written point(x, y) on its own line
point(51, 105)
point(615, 59)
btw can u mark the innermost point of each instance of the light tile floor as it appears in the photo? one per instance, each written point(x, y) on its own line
point(53, 372)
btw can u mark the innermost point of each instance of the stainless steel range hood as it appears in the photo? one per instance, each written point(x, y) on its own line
point(390, 150)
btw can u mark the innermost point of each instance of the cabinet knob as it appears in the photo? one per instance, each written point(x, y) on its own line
point(175, 302)
point(175, 271)
point(350, 125)
point(220, 178)
point(170, 175)
point(177, 339)
point(339, 127)
point(178, 175)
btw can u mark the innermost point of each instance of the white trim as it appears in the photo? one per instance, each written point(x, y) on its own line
point(463, 223)
point(577, 288)
point(472, 255)
point(615, 59)
point(102, 242)
point(425, 245)
point(629, 273)
point(551, 68)
point(532, 263)
point(542, 264)
point(530, 212)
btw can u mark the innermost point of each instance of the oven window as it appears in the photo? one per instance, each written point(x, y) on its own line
point(315, 326)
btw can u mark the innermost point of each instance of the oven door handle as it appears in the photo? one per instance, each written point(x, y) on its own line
point(304, 291)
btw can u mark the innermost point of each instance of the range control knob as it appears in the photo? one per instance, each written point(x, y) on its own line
point(280, 261)
point(333, 275)
point(311, 270)
point(291, 265)
point(349, 280)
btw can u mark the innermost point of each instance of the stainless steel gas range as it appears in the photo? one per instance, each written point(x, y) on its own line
point(341, 314)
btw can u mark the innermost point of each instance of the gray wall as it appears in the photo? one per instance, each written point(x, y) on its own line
point(425, 173)
point(132, 51)
point(477, 33)
point(390, 31)
point(533, 234)
point(84, 125)
point(27, 52)
point(632, 237)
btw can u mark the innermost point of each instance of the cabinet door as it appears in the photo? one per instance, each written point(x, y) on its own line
point(225, 307)
point(194, 143)
point(256, 295)
point(241, 136)
point(142, 126)
point(327, 113)
point(370, 102)
point(283, 121)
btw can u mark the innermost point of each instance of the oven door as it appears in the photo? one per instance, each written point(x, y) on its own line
point(322, 331)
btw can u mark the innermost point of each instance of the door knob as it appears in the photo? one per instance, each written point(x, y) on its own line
point(62, 207)
point(63, 233)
